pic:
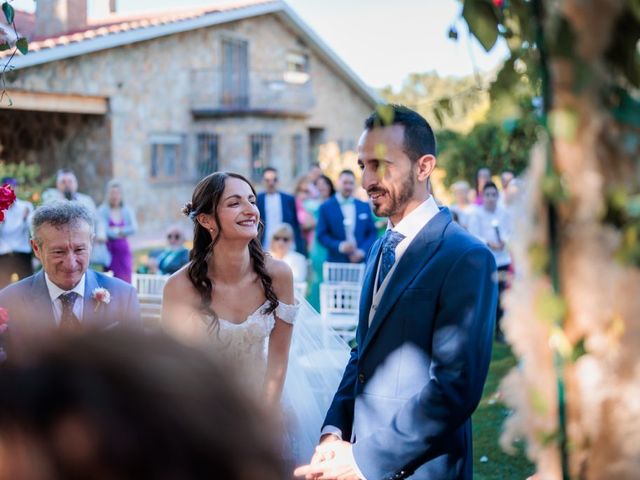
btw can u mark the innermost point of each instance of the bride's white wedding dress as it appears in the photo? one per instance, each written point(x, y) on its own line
point(317, 360)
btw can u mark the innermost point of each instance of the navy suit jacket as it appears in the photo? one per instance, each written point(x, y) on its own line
point(289, 215)
point(31, 314)
point(417, 372)
point(330, 228)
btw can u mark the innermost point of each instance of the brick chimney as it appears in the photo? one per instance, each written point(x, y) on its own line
point(55, 17)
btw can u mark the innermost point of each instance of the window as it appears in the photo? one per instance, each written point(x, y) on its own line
point(297, 155)
point(260, 154)
point(297, 70)
point(235, 73)
point(207, 159)
point(168, 159)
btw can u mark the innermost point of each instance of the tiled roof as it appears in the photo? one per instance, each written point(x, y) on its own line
point(114, 24)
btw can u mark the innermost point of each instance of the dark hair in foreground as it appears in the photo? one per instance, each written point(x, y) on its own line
point(206, 198)
point(419, 139)
point(130, 406)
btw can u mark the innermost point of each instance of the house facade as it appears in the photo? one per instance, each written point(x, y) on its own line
point(161, 100)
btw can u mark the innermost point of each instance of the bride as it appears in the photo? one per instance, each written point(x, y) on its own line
point(240, 302)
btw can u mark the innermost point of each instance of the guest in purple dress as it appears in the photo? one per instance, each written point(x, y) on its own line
point(121, 223)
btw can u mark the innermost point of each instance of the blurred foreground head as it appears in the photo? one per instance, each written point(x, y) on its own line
point(117, 405)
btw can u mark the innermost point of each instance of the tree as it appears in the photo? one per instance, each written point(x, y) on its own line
point(571, 317)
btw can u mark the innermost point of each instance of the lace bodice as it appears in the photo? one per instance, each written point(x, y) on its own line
point(245, 344)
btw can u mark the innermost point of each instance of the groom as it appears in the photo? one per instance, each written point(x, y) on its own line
point(403, 408)
point(65, 295)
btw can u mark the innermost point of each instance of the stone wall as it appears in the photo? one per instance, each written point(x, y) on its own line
point(60, 140)
point(148, 85)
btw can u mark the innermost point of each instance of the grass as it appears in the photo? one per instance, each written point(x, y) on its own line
point(487, 427)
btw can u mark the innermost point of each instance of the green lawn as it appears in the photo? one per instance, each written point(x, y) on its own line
point(487, 426)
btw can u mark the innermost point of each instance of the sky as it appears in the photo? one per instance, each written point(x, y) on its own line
point(383, 41)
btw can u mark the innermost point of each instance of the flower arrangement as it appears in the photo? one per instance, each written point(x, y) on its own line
point(7, 197)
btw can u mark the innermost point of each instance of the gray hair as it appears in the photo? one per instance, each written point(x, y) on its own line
point(58, 214)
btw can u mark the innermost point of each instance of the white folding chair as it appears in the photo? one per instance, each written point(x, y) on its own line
point(335, 272)
point(339, 306)
point(149, 284)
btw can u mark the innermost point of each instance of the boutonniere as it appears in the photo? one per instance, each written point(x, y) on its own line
point(101, 296)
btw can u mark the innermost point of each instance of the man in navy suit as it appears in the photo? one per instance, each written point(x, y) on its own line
point(277, 208)
point(424, 338)
point(345, 224)
point(64, 295)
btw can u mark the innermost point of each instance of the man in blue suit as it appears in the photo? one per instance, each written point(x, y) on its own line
point(277, 208)
point(427, 312)
point(64, 295)
point(345, 224)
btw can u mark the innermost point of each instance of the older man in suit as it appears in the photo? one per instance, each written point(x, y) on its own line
point(403, 408)
point(65, 295)
point(345, 224)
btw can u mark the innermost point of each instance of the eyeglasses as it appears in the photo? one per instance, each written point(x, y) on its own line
point(173, 236)
point(282, 239)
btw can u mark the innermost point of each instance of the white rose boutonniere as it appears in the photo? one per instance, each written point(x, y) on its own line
point(101, 296)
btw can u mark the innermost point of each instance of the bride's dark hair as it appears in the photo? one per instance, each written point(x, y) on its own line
point(205, 199)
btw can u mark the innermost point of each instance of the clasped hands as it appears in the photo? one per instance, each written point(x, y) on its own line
point(333, 459)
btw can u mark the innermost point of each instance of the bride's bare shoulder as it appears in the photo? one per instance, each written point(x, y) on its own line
point(179, 286)
point(282, 278)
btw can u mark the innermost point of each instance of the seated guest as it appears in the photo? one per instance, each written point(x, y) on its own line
point(174, 256)
point(281, 244)
point(116, 405)
point(65, 294)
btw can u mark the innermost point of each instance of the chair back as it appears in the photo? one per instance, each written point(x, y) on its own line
point(336, 272)
point(339, 306)
point(149, 284)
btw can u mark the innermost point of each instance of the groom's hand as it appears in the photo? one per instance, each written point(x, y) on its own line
point(336, 462)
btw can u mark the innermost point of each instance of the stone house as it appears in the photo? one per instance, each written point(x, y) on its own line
point(161, 99)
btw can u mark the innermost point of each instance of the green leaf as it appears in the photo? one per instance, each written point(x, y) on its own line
point(4, 46)
point(23, 45)
point(483, 22)
point(578, 350)
point(386, 114)
point(9, 13)
point(634, 6)
point(564, 124)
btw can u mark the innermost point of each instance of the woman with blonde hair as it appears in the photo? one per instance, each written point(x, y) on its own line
point(280, 248)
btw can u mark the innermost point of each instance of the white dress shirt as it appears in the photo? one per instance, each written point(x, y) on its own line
point(14, 230)
point(348, 208)
point(273, 214)
point(55, 292)
point(491, 227)
point(409, 226)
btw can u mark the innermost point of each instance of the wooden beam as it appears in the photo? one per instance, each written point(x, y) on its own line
point(56, 102)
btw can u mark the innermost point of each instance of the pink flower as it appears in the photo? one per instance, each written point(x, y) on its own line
point(7, 197)
point(101, 296)
point(4, 316)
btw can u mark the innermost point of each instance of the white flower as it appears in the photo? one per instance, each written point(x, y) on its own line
point(101, 295)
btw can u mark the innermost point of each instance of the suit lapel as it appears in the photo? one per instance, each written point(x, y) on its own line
point(367, 289)
point(339, 218)
point(40, 300)
point(420, 251)
point(90, 314)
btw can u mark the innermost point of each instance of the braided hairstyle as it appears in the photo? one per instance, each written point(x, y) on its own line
point(206, 198)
